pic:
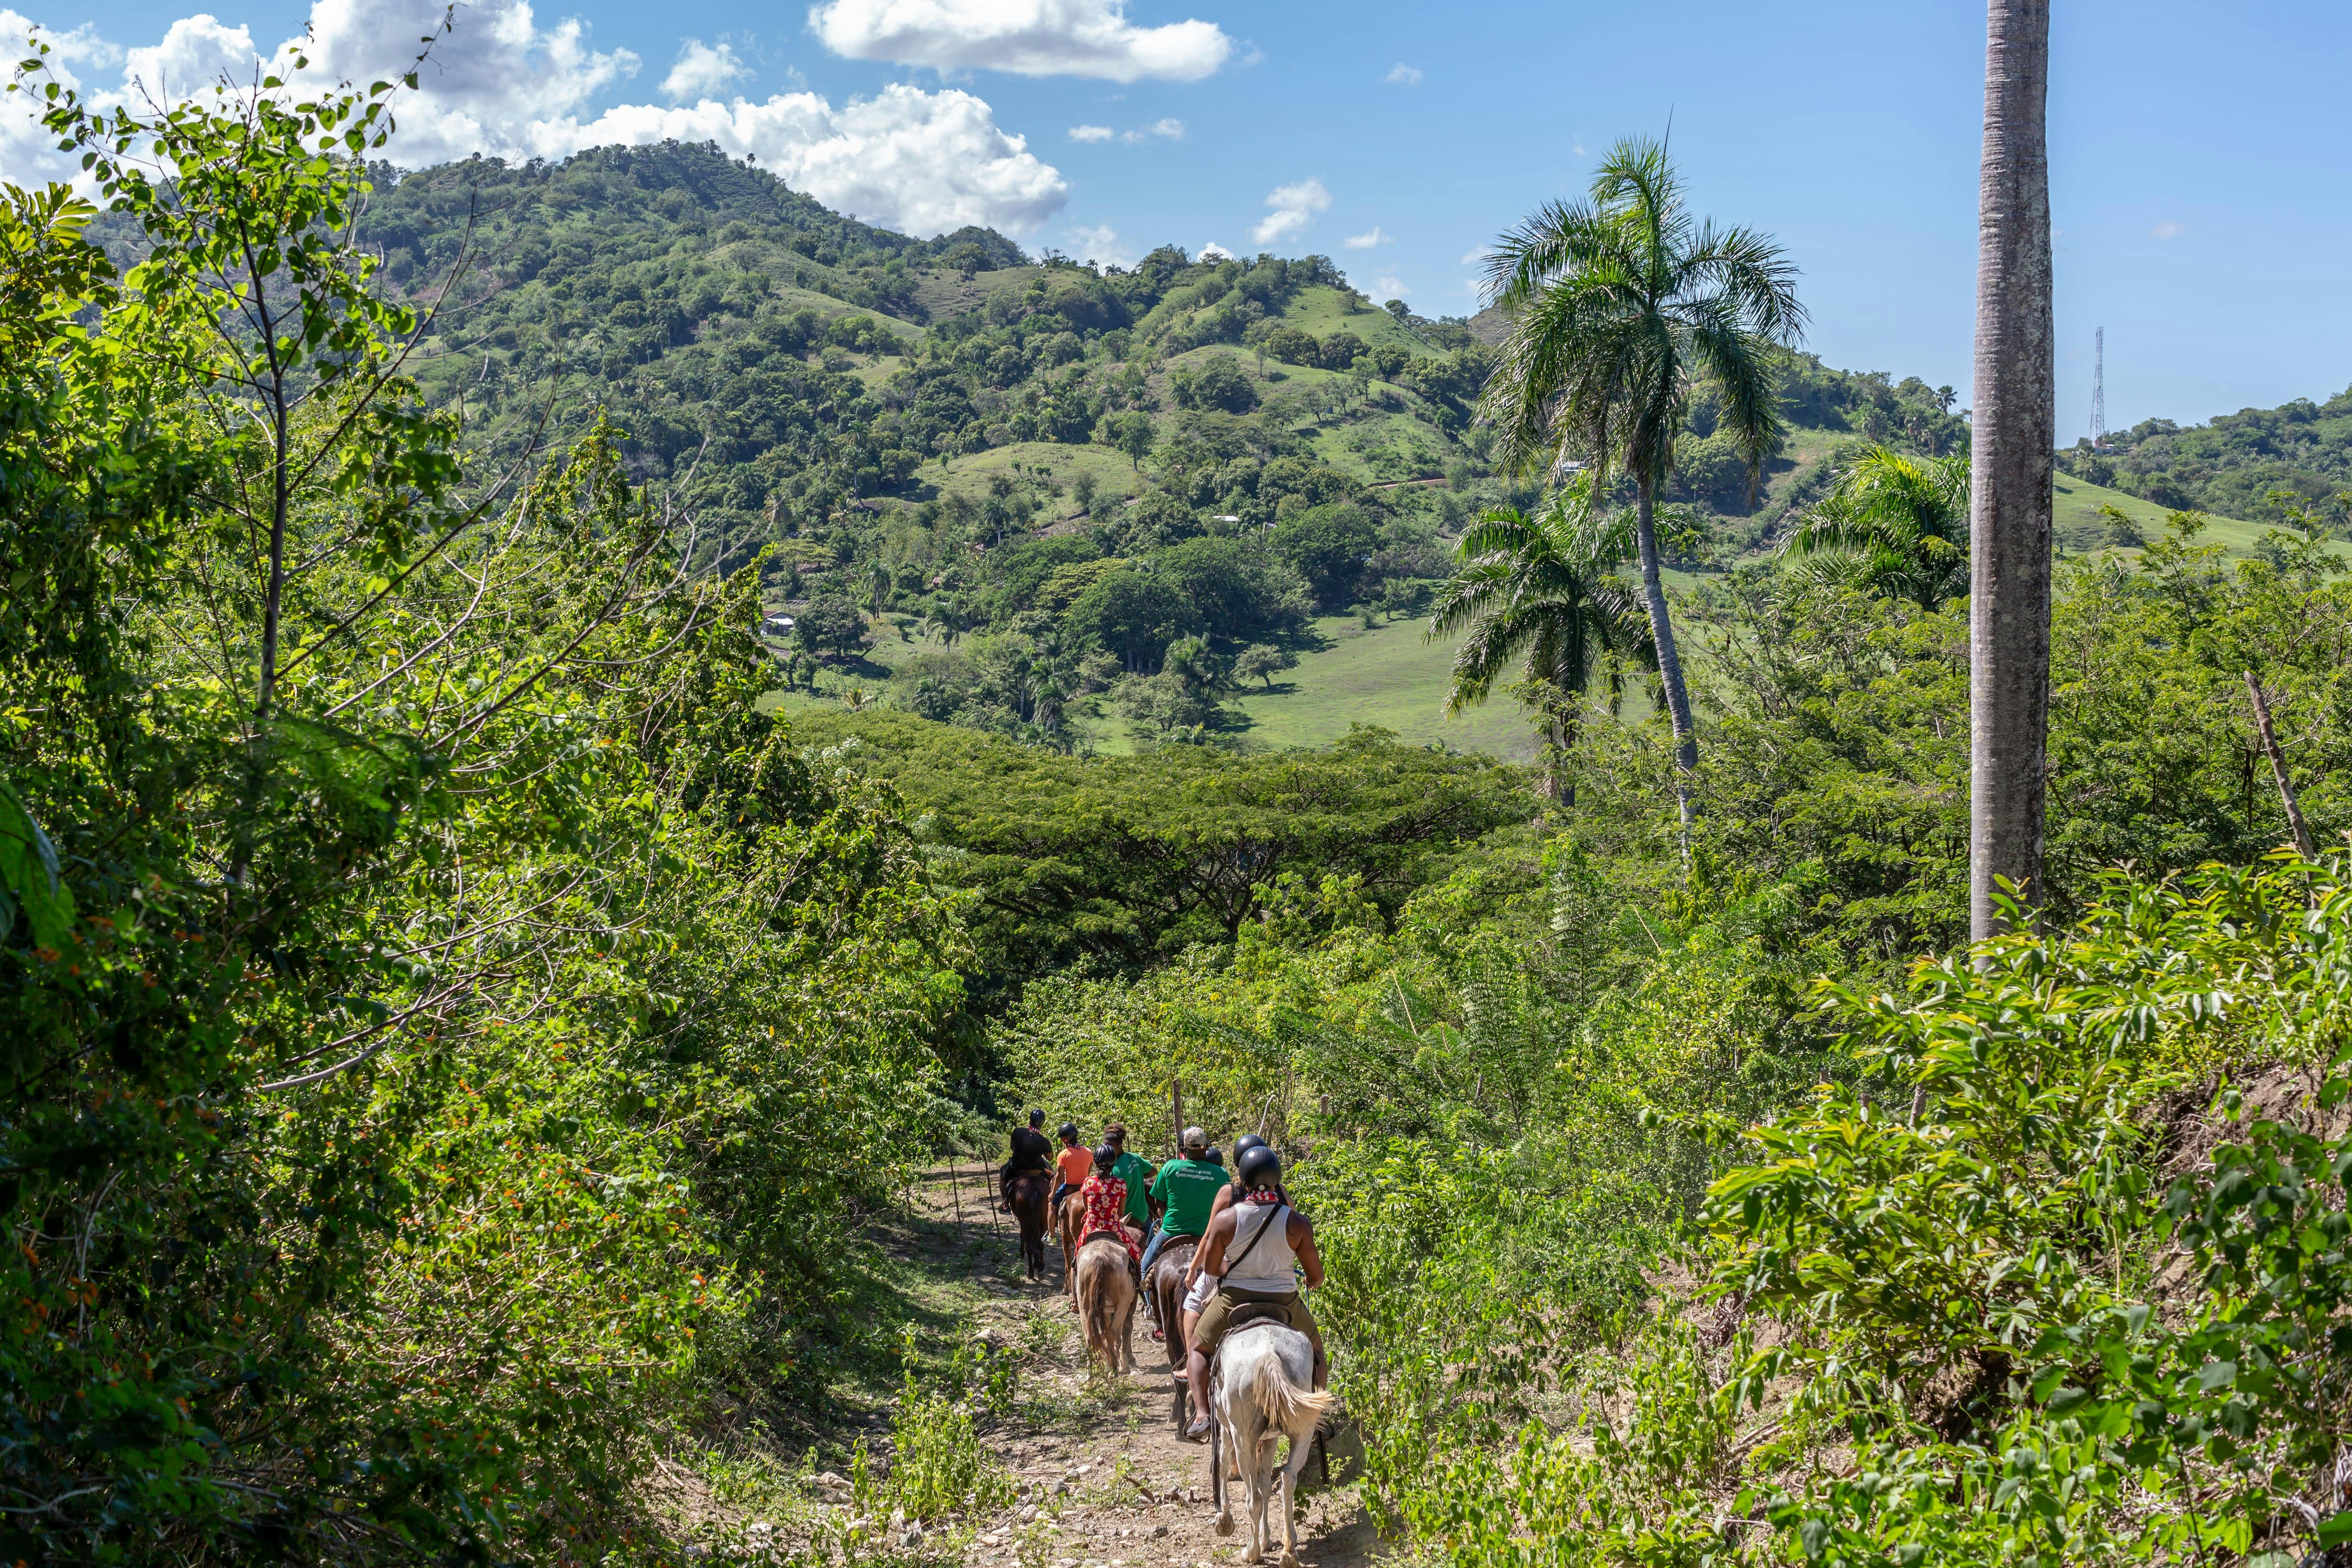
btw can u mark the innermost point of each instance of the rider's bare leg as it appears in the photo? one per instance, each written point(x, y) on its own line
point(1196, 1373)
point(1322, 1364)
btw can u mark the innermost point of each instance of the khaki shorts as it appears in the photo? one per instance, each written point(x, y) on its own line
point(1214, 1316)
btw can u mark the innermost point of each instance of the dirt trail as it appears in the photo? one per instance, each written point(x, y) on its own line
point(1117, 1487)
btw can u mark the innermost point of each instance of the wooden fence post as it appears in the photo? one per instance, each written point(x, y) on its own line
point(1176, 1113)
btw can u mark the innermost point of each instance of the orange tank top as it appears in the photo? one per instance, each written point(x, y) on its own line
point(1073, 1164)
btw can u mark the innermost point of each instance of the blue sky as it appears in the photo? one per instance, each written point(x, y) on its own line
point(2200, 169)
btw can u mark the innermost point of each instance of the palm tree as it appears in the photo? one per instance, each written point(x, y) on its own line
point(2014, 433)
point(945, 618)
point(1616, 304)
point(1540, 592)
point(1896, 524)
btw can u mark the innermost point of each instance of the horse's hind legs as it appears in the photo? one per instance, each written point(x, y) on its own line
point(1291, 1467)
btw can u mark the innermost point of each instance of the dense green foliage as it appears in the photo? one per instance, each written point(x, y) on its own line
point(417, 1028)
point(948, 435)
point(437, 990)
point(2231, 465)
point(1121, 861)
point(1741, 1266)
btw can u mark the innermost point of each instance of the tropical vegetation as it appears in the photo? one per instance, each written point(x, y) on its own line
point(468, 1009)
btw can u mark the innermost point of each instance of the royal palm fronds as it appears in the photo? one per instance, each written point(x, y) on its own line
point(1896, 524)
point(1540, 592)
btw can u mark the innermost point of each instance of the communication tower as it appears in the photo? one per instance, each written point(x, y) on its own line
point(2099, 391)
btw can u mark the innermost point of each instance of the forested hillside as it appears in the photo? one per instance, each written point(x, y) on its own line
point(2232, 464)
point(469, 1036)
point(1076, 471)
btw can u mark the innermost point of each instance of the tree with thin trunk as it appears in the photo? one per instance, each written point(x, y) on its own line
point(1617, 304)
point(2013, 435)
point(1540, 591)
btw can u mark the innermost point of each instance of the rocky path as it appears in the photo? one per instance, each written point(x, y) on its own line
point(1105, 1481)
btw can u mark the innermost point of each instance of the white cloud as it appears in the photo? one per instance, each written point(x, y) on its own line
point(1366, 241)
point(911, 159)
point(1100, 244)
point(1402, 75)
point(196, 53)
point(29, 154)
point(1476, 253)
point(1294, 207)
point(1091, 133)
point(1172, 130)
point(2167, 230)
point(702, 70)
point(1029, 37)
point(1390, 288)
point(1212, 251)
point(504, 86)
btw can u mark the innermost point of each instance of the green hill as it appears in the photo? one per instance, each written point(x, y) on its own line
point(1028, 495)
point(2230, 466)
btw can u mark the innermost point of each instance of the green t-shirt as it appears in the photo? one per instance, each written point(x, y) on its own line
point(1136, 1171)
point(1188, 1189)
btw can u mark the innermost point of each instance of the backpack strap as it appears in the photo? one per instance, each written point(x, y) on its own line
point(1281, 1211)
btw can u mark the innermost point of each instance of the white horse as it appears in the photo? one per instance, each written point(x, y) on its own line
point(1265, 1391)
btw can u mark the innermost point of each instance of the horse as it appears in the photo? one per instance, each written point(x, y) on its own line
point(1025, 1192)
point(1066, 1223)
point(1107, 1302)
point(1264, 1390)
point(1165, 1290)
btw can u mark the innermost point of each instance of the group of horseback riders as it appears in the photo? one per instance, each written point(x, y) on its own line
point(1250, 1248)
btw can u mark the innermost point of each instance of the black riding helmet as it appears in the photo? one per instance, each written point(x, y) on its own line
point(1260, 1167)
point(1105, 1158)
point(1036, 1118)
point(1067, 1132)
point(1245, 1142)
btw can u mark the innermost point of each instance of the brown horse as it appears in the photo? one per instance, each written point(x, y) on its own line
point(1025, 1192)
point(1066, 1221)
point(1165, 1289)
point(1107, 1302)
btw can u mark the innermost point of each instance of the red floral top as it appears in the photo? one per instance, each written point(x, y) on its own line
point(1105, 1199)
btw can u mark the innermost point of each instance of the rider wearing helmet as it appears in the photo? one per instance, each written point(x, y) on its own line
point(1197, 1292)
point(1030, 1153)
point(1257, 1249)
point(1185, 1191)
point(1072, 1165)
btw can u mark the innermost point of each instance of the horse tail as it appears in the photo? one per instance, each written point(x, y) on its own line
point(1283, 1403)
point(1098, 1281)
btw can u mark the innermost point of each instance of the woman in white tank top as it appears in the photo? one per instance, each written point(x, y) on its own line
point(1260, 1256)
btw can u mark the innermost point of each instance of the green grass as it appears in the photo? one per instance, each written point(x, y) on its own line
point(791, 297)
point(1379, 447)
point(968, 475)
point(1323, 311)
point(2076, 513)
point(2081, 528)
point(1386, 675)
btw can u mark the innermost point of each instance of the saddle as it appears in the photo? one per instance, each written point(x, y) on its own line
point(1252, 1312)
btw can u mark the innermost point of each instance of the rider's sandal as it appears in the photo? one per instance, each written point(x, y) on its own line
point(1198, 1432)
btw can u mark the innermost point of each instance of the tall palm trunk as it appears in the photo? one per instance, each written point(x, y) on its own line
point(2015, 431)
point(1670, 659)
